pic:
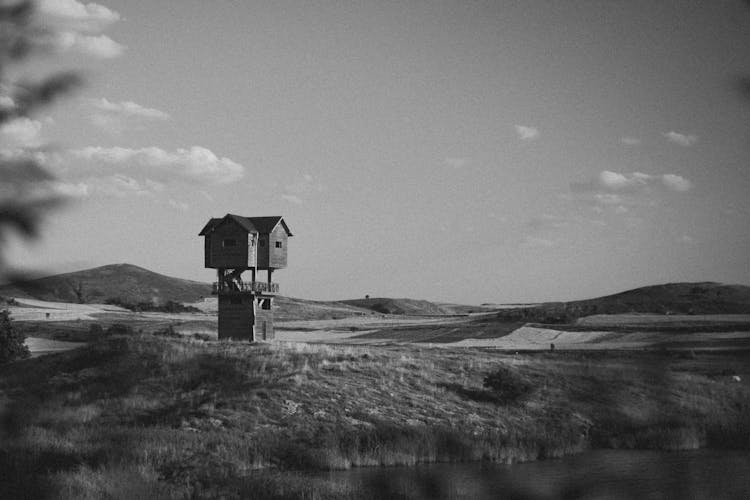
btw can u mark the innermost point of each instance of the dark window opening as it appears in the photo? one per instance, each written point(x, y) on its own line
point(278, 244)
point(229, 242)
point(266, 304)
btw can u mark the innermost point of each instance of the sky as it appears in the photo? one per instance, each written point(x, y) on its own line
point(460, 151)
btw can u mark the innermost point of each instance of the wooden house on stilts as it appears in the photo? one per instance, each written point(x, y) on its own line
point(233, 245)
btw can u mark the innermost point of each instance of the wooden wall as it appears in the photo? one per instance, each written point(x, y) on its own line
point(278, 255)
point(236, 316)
point(222, 256)
point(264, 324)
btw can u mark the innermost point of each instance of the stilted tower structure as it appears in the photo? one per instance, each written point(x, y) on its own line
point(233, 245)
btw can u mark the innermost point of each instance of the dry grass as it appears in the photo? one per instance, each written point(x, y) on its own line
point(152, 417)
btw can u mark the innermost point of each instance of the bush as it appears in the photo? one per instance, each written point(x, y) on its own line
point(96, 330)
point(507, 384)
point(120, 329)
point(168, 307)
point(12, 346)
point(169, 331)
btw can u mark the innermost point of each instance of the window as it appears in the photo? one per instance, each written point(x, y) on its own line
point(229, 242)
point(278, 244)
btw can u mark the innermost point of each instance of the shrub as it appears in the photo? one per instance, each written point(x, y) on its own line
point(96, 330)
point(168, 307)
point(507, 384)
point(120, 329)
point(12, 346)
point(168, 331)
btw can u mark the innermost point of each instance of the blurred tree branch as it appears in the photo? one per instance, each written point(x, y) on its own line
point(27, 191)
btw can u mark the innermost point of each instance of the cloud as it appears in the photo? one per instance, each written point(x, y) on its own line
point(21, 132)
point(303, 185)
point(78, 15)
point(676, 182)
point(117, 185)
point(614, 182)
point(179, 205)
point(100, 46)
point(526, 133)
point(128, 109)
point(69, 189)
point(630, 141)
point(196, 163)
point(617, 191)
point(456, 162)
point(684, 140)
point(77, 26)
point(292, 199)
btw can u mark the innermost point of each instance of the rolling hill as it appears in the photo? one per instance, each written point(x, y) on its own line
point(124, 281)
point(135, 284)
point(670, 298)
point(384, 305)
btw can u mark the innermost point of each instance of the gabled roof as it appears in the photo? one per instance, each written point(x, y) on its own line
point(261, 225)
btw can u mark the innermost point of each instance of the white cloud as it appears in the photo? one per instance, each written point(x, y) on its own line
point(100, 46)
point(614, 181)
point(117, 185)
point(526, 133)
point(69, 189)
point(676, 182)
point(637, 181)
point(622, 190)
point(292, 199)
point(21, 132)
point(78, 15)
point(303, 185)
point(179, 205)
point(196, 163)
point(608, 198)
point(684, 140)
point(630, 141)
point(129, 108)
point(456, 162)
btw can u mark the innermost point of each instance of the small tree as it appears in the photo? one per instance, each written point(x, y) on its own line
point(12, 346)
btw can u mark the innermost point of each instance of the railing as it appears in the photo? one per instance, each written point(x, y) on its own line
point(245, 286)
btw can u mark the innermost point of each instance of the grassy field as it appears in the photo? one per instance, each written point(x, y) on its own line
point(151, 417)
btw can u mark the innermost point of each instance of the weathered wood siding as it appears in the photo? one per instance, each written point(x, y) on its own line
point(264, 324)
point(236, 316)
point(278, 255)
point(262, 255)
point(223, 256)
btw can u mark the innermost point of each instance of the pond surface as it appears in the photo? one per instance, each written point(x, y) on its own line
point(601, 474)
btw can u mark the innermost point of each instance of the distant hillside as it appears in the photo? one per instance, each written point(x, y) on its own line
point(290, 309)
point(124, 281)
point(399, 306)
point(671, 298)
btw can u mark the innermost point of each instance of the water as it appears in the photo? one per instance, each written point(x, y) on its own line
point(602, 474)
